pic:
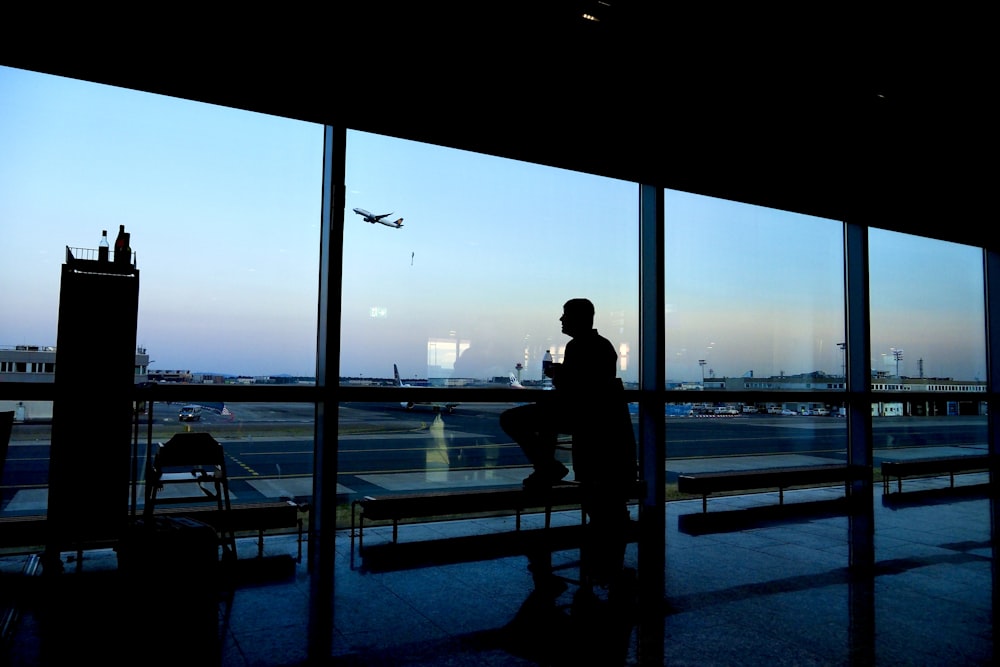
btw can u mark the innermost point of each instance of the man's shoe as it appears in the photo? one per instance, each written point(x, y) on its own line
point(541, 479)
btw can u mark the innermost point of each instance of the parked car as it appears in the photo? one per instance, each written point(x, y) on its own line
point(190, 413)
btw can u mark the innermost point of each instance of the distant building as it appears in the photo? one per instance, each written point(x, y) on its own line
point(171, 377)
point(37, 364)
point(922, 404)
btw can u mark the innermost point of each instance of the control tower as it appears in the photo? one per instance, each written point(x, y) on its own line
point(92, 412)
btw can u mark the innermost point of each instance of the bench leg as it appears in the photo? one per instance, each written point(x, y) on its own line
point(899, 482)
point(704, 502)
point(395, 530)
point(781, 496)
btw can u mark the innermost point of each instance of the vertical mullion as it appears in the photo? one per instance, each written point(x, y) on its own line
point(323, 515)
point(652, 449)
point(859, 415)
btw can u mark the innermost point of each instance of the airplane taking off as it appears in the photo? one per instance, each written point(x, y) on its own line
point(381, 219)
point(409, 405)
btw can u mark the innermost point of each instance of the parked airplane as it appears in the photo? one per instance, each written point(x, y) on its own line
point(409, 405)
point(381, 219)
point(514, 383)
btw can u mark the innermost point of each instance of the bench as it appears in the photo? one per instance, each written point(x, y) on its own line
point(456, 502)
point(22, 531)
point(402, 506)
point(932, 466)
point(705, 483)
point(248, 517)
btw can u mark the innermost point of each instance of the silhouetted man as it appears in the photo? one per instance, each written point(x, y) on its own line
point(588, 404)
point(587, 370)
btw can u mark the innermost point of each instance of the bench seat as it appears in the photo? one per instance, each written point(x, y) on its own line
point(401, 506)
point(456, 502)
point(939, 465)
point(247, 517)
point(705, 483)
point(244, 517)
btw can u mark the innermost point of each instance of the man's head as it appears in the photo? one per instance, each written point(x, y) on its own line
point(577, 317)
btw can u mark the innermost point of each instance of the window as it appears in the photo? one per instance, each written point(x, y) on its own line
point(223, 208)
point(470, 289)
point(751, 293)
point(468, 293)
point(754, 303)
point(927, 328)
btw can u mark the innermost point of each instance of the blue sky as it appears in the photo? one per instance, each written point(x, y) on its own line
point(224, 208)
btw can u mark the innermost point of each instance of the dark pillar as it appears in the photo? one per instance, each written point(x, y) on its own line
point(92, 414)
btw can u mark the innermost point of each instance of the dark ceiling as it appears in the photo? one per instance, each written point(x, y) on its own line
point(881, 119)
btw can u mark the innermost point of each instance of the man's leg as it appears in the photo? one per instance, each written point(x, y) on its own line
point(605, 538)
point(532, 427)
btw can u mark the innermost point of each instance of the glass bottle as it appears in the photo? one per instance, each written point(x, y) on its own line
point(102, 247)
point(123, 251)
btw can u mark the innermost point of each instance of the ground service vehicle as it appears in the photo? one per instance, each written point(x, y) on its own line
point(190, 413)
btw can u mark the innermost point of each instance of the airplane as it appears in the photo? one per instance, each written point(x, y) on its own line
point(381, 219)
point(514, 383)
point(409, 405)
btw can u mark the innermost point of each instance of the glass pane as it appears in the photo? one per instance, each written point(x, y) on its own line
point(383, 450)
point(928, 342)
point(754, 303)
point(469, 290)
point(222, 205)
point(268, 446)
point(927, 312)
point(755, 296)
point(24, 459)
point(223, 210)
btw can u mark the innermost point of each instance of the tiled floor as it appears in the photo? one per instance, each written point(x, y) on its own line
point(775, 592)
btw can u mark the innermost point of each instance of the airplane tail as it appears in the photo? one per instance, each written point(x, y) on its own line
point(399, 223)
point(395, 373)
point(514, 382)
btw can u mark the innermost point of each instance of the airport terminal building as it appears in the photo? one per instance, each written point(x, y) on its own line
point(919, 393)
point(34, 364)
